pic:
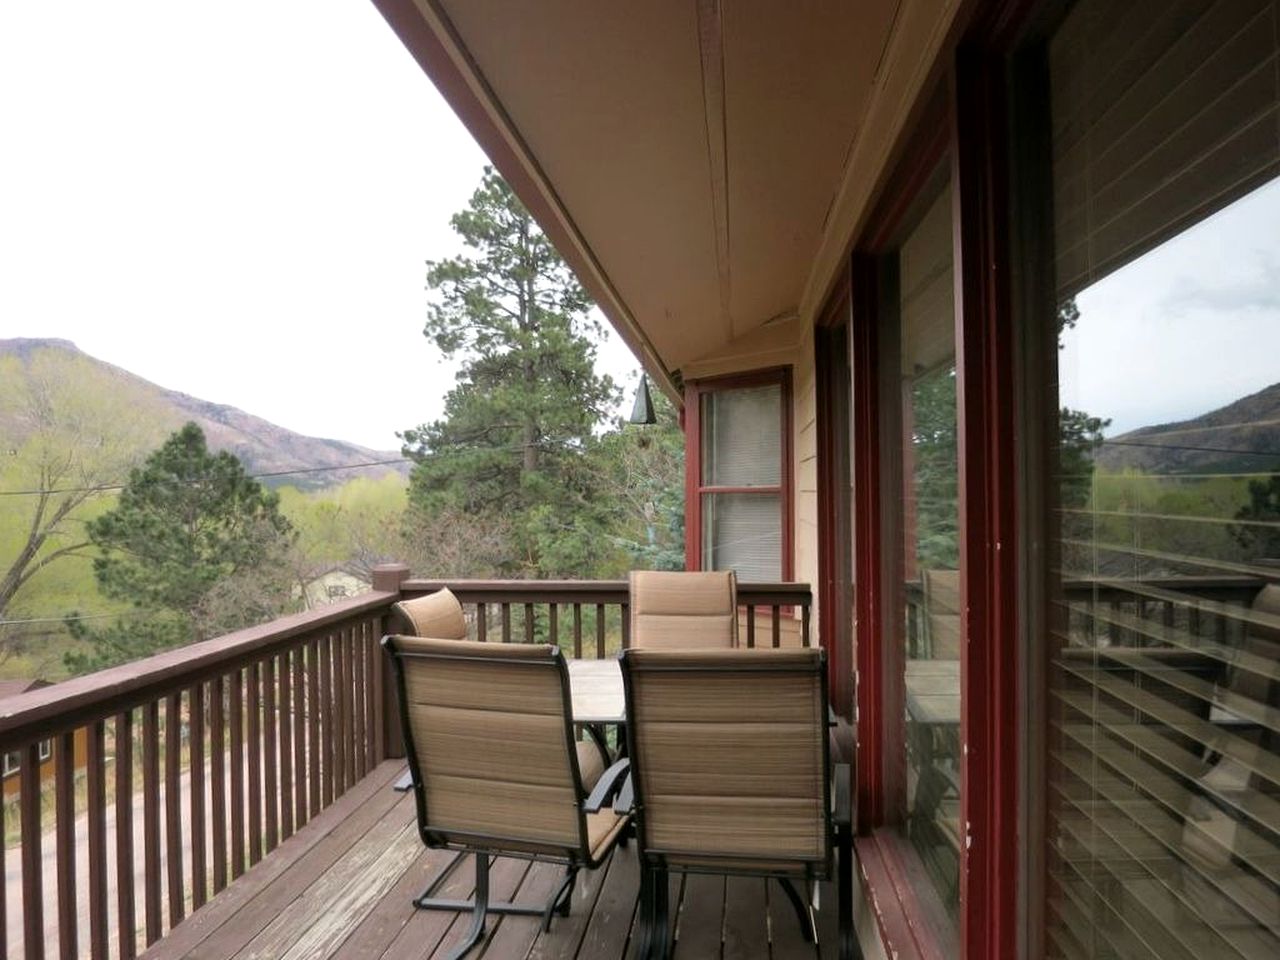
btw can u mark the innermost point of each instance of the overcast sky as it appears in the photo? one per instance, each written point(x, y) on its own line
point(1188, 328)
point(233, 200)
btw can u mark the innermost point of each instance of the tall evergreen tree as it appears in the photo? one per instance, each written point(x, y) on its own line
point(518, 424)
point(189, 525)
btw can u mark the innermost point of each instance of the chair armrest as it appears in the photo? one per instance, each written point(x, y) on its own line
point(844, 795)
point(607, 786)
point(626, 800)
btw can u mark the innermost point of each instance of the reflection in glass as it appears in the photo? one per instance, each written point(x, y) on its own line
point(1163, 747)
point(930, 545)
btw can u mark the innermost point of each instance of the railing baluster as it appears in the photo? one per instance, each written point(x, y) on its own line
point(804, 625)
point(751, 626)
point(506, 623)
point(346, 763)
point(326, 722)
point(173, 804)
point(624, 611)
point(4, 892)
point(195, 754)
point(32, 854)
point(775, 622)
point(151, 818)
point(126, 914)
point(599, 631)
point(271, 785)
point(553, 622)
point(375, 666)
point(300, 723)
point(237, 773)
point(96, 803)
point(577, 630)
point(482, 622)
point(361, 691)
point(253, 744)
point(218, 771)
point(528, 623)
point(286, 747)
point(313, 724)
point(64, 787)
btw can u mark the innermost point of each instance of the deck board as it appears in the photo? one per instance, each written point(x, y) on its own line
point(341, 888)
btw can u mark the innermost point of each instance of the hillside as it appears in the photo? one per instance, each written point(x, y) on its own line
point(263, 447)
point(1243, 436)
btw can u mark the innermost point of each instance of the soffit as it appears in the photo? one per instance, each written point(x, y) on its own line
point(696, 149)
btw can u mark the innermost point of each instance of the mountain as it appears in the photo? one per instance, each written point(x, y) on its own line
point(263, 447)
point(1242, 437)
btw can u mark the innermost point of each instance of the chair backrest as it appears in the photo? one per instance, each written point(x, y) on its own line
point(729, 758)
point(489, 736)
point(436, 615)
point(684, 611)
point(942, 606)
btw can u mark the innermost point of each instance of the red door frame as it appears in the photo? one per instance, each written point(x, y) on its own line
point(835, 515)
point(975, 131)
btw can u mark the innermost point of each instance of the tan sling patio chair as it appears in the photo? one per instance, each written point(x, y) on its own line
point(496, 769)
point(731, 774)
point(684, 611)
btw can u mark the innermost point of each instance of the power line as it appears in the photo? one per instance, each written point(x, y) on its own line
point(1174, 446)
point(104, 487)
point(95, 616)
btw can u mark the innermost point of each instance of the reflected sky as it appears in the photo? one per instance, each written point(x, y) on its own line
point(1189, 327)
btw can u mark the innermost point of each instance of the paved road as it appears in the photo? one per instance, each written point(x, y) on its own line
point(13, 872)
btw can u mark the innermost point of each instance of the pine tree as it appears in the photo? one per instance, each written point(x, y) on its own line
point(189, 526)
point(511, 450)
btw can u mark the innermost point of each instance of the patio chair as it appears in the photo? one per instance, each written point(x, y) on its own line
point(731, 774)
point(436, 615)
point(496, 769)
point(684, 610)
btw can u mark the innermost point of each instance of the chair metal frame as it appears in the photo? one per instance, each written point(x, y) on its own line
point(486, 846)
point(654, 920)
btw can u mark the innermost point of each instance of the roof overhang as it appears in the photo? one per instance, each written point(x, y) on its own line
point(701, 166)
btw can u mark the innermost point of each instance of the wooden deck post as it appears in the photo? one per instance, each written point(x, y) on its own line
point(387, 577)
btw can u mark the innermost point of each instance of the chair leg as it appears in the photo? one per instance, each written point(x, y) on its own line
point(849, 946)
point(480, 910)
point(804, 913)
point(561, 899)
point(661, 941)
point(439, 878)
point(644, 925)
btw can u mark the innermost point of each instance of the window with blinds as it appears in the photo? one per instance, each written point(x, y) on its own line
point(1163, 641)
point(742, 472)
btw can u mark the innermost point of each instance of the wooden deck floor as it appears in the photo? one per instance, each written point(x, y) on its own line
point(342, 886)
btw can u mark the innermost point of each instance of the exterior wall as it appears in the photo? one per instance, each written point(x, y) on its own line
point(805, 452)
point(13, 782)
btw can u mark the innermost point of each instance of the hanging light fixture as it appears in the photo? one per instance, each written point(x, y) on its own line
point(642, 410)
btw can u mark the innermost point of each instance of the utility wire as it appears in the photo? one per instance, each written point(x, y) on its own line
point(1174, 446)
point(95, 616)
point(104, 487)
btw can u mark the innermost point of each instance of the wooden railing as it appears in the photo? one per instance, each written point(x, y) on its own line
point(589, 618)
point(1128, 609)
point(210, 755)
point(207, 757)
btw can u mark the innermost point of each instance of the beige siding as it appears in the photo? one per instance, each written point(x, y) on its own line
point(806, 470)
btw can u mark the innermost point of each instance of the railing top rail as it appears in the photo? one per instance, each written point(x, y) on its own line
point(64, 706)
point(587, 591)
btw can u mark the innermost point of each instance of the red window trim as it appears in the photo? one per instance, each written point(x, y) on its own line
point(693, 486)
point(972, 125)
